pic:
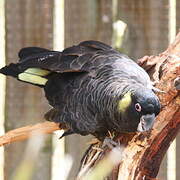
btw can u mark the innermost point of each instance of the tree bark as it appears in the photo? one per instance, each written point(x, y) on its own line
point(26, 132)
point(147, 33)
point(144, 152)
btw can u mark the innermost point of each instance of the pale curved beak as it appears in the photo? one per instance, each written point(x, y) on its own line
point(146, 122)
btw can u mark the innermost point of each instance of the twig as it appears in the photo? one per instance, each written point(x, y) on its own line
point(26, 131)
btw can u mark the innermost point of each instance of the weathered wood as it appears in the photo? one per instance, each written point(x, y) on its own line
point(28, 23)
point(26, 132)
point(144, 152)
point(147, 27)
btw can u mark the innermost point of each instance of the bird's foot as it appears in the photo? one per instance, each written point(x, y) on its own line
point(156, 90)
point(108, 141)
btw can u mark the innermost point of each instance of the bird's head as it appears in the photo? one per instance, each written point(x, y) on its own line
point(138, 109)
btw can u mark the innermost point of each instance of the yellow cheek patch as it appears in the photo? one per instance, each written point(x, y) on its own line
point(124, 102)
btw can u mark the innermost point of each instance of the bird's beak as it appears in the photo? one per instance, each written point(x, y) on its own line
point(146, 122)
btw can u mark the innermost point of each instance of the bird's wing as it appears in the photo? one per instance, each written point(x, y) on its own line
point(35, 63)
point(72, 59)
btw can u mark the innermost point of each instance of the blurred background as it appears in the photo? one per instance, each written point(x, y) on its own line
point(134, 27)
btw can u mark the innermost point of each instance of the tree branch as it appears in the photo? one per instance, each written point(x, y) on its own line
point(27, 131)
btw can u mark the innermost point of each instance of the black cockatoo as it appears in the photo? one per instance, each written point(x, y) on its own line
point(91, 87)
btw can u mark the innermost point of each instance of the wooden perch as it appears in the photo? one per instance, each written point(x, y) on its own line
point(27, 131)
point(144, 152)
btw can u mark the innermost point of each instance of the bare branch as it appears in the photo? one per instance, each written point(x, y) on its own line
point(26, 132)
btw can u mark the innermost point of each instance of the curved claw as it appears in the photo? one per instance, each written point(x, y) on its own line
point(157, 90)
point(110, 143)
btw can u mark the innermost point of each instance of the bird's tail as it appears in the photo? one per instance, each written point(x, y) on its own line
point(29, 69)
point(35, 76)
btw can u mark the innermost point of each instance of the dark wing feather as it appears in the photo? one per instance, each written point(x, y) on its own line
point(95, 45)
point(78, 58)
point(28, 51)
point(10, 70)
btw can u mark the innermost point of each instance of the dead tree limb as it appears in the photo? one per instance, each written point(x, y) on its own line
point(27, 131)
point(144, 152)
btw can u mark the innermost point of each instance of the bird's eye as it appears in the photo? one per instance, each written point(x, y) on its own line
point(138, 107)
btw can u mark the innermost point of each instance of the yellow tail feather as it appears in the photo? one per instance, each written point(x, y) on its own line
point(34, 76)
point(37, 71)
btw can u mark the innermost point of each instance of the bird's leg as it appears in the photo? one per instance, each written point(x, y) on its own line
point(104, 140)
point(157, 90)
point(108, 141)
